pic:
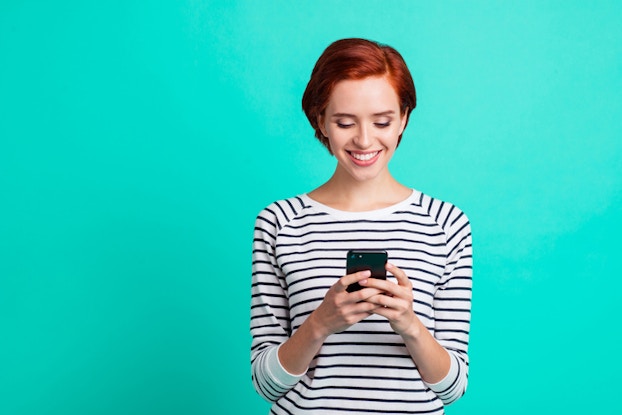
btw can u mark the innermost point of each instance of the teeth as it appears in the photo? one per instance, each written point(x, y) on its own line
point(364, 157)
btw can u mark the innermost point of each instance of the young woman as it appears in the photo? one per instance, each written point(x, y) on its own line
point(396, 346)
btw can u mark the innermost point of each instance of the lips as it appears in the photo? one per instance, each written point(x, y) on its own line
point(364, 159)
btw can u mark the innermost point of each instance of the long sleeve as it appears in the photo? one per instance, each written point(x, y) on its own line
point(270, 321)
point(452, 304)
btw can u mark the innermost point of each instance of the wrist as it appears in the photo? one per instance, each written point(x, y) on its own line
point(414, 331)
point(317, 331)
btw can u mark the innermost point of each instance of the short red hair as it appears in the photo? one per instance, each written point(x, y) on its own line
point(355, 59)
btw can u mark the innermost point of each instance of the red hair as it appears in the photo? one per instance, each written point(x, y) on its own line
point(355, 59)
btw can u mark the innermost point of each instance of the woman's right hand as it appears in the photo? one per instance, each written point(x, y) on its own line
point(340, 309)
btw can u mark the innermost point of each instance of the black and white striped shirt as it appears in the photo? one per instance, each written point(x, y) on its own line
point(299, 251)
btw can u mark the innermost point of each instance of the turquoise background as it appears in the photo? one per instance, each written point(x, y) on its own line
point(138, 140)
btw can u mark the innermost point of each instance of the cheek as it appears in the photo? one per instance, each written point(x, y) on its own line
point(392, 138)
point(337, 135)
point(333, 142)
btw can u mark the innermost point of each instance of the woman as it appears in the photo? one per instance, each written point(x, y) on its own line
point(398, 345)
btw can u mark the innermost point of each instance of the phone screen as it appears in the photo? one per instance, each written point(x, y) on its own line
point(361, 260)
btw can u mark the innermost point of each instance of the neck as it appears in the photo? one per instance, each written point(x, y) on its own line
point(343, 193)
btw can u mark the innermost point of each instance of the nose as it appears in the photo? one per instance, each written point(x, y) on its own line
point(363, 137)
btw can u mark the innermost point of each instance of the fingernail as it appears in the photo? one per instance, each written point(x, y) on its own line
point(367, 273)
point(389, 265)
point(363, 282)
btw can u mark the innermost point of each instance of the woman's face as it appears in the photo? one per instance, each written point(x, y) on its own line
point(363, 123)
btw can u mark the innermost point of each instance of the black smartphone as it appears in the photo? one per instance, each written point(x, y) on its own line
point(363, 259)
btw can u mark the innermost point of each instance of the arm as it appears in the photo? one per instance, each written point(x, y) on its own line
point(431, 358)
point(269, 313)
point(440, 358)
point(279, 357)
point(452, 305)
point(338, 311)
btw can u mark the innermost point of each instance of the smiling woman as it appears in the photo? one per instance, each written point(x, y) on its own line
point(356, 59)
point(397, 345)
point(362, 125)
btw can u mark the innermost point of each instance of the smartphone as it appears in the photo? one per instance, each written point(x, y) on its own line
point(361, 260)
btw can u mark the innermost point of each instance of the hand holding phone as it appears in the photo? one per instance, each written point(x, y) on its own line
point(361, 260)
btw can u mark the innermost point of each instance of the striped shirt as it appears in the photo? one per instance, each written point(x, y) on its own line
point(299, 252)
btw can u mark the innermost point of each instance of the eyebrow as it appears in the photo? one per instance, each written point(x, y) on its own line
point(378, 114)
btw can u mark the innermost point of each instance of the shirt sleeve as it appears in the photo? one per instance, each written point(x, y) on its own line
point(270, 320)
point(452, 306)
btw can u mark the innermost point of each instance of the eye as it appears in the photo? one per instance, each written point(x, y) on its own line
point(344, 125)
point(382, 124)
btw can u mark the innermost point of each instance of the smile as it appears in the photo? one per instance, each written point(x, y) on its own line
point(364, 159)
point(364, 156)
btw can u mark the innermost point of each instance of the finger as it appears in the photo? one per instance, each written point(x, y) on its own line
point(365, 293)
point(364, 307)
point(385, 287)
point(346, 280)
point(400, 276)
point(383, 301)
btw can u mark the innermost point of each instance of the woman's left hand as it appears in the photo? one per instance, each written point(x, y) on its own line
point(396, 304)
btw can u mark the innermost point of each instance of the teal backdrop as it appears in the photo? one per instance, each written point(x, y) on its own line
point(139, 139)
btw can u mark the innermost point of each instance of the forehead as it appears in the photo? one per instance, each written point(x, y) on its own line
point(375, 94)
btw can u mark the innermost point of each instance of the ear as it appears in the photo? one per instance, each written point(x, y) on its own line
point(404, 120)
point(320, 123)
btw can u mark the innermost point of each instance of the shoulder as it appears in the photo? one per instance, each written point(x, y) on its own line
point(445, 214)
point(278, 213)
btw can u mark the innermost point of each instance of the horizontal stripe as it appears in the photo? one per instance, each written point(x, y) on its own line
point(299, 252)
